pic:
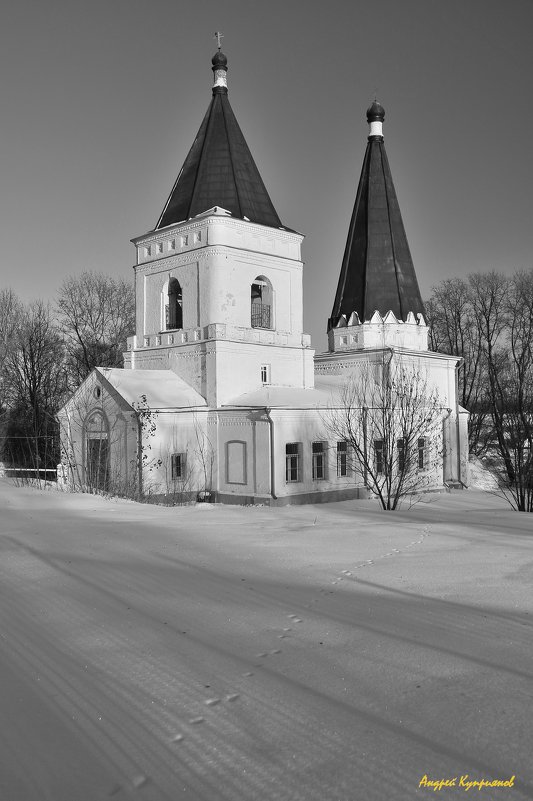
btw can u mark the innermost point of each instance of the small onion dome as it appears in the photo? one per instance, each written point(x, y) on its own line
point(219, 61)
point(375, 113)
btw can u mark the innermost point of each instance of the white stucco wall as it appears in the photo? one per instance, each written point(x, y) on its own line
point(118, 426)
point(215, 269)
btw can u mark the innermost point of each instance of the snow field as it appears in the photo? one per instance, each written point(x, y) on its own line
point(314, 653)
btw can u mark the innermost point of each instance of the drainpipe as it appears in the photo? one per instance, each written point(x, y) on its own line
point(272, 465)
point(139, 452)
point(445, 420)
point(457, 427)
point(365, 447)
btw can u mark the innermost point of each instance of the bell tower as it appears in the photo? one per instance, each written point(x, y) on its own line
point(378, 302)
point(219, 278)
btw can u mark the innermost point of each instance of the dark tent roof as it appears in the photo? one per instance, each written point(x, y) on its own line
point(219, 169)
point(377, 271)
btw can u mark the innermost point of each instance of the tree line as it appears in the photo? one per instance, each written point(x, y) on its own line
point(47, 350)
point(487, 319)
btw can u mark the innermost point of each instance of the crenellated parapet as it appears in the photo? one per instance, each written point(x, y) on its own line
point(378, 332)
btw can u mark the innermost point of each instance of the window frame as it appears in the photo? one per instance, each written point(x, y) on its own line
point(422, 453)
point(293, 463)
point(178, 458)
point(343, 470)
point(379, 456)
point(402, 454)
point(319, 465)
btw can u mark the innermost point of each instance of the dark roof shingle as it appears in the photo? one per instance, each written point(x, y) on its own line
point(219, 171)
point(377, 271)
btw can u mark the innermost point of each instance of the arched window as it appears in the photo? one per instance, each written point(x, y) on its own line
point(97, 451)
point(261, 303)
point(173, 305)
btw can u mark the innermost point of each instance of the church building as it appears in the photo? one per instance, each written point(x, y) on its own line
point(222, 396)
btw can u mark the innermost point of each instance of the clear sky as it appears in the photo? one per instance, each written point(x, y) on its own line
point(101, 101)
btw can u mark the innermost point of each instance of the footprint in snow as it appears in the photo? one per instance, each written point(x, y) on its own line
point(139, 781)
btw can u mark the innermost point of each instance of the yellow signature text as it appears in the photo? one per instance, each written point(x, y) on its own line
point(465, 782)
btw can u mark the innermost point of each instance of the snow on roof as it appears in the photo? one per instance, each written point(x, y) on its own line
point(324, 394)
point(163, 388)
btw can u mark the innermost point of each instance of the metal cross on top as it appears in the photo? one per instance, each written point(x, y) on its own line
point(218, 36)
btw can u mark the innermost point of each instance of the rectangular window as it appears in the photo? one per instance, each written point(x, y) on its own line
point(422, 453)
point(342, 459)
point(292, 461)
point(159, 247)
point(319, 460)
point(402, 454)
point(172, 244)
point(147, 252)
point(379, 451)
point(178, 465)
point(265, 374)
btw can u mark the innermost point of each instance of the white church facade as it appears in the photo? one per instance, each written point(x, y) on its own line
point(221, 395)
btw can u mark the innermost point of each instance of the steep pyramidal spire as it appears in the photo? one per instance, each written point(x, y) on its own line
point(377, 272)
point(219, 169)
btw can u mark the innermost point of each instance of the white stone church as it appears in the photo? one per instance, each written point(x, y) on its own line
point(221, 395)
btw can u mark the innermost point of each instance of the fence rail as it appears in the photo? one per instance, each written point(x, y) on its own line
point(28, 472)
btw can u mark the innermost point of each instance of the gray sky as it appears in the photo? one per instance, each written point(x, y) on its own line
point(101, 101)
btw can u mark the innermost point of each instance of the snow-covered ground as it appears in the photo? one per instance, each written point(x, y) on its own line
point(316, 653)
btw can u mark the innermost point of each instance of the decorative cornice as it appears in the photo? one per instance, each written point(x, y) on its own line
point(203, 253)
point(215, 219)
point(322, 359)
point(242, 420)
point(168, 231)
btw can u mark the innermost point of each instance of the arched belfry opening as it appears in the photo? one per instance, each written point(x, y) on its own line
point(261, 297)
point(173, 305)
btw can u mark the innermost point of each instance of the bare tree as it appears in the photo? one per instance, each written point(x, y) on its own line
point(454, 329)
point(97, 314)
point(512, 389)
point(488, 293)
point(391, 420)
point(10, 310)
point(488, 320)
point(10, 313)
point(35, 383)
